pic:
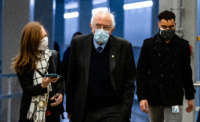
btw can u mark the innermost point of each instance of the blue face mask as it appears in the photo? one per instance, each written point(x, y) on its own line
point(101, 36)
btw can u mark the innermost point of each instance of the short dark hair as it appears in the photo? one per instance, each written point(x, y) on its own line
point(167, 15)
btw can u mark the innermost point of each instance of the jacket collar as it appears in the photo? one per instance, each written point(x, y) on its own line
point(158, 39)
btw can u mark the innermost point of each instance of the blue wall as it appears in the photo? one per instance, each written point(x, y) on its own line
point(85, 7)
point(116, 6)
point(137, 25)
point(71, 26)
point(59, 24)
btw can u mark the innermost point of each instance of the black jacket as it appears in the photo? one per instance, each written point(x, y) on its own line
point(29, 90)
point(122, 73)
point(164, 73)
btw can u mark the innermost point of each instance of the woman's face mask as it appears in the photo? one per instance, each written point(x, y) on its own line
point(44, 43)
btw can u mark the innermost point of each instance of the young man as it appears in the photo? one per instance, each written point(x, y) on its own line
point(164, 73)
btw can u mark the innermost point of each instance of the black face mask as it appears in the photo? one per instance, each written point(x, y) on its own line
point(167, 34)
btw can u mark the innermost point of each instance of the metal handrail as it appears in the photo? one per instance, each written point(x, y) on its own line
point(197, 83)
point(13, 95)
point(8, 75)
point(9, 94)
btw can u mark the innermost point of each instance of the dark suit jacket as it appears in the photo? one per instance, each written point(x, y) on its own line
point(26, 82)
point(122, 74)
point(164, 72)
point(65, 63)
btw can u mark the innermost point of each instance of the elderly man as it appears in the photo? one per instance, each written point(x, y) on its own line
point(101, 75)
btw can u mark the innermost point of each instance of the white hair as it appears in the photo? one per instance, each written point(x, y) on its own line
point(103, 12)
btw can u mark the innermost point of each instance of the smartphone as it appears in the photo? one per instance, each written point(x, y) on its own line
point(53, 75)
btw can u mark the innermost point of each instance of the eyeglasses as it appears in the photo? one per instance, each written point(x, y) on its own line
point(170, 27)
point(105, 27)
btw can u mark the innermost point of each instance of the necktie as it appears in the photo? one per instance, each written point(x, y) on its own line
point(99, 49)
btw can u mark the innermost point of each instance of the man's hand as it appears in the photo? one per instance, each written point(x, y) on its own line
point(190, 105)
point(144, 106)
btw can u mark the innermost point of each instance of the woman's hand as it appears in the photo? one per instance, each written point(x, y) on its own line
point(53, 80)
point(58, 99)
point(45, 82)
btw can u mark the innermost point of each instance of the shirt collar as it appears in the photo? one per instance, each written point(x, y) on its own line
point(97, 45)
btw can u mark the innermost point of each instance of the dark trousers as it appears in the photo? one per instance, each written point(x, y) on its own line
point(164, 114)
point(53, 118)
point(105, 114)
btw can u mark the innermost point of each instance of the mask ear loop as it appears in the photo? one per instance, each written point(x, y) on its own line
point(161, 29)
point(43, 43)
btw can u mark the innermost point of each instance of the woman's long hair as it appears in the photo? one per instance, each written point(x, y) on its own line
point(28, 52)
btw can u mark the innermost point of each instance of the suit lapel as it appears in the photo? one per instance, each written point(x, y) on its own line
point(113, 57)
point(87, 56)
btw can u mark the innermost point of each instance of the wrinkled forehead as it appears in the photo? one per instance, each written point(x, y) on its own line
point(103, 18)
